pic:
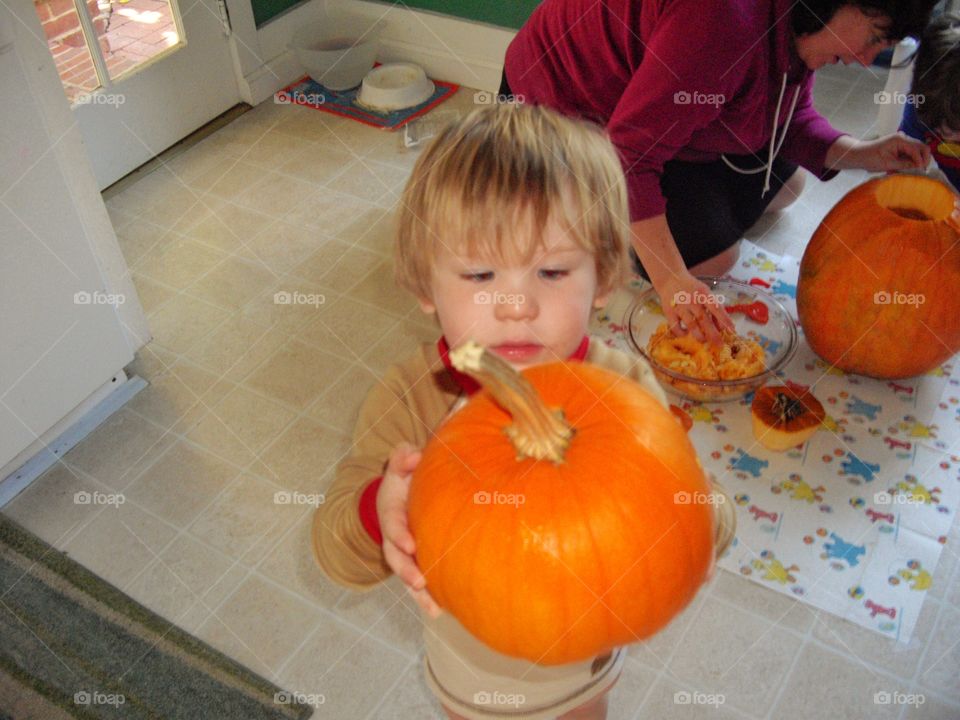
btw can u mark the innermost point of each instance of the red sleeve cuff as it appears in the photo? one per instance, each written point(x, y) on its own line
point(368, 510)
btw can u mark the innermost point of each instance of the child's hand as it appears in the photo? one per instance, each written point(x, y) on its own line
point(690, 307)
point(398, 543)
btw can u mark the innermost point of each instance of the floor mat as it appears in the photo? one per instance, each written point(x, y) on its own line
point(312, 94)
point(77, 646)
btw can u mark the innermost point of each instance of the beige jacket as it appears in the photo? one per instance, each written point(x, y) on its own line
point(407, 405)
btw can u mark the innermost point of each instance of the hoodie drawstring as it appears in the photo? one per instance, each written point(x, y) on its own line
point(775, 144)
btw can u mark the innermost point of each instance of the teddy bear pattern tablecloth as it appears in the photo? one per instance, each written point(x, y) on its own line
point(854, 521)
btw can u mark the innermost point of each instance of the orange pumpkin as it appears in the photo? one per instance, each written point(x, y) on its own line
point(879, 287)
point(555, 535)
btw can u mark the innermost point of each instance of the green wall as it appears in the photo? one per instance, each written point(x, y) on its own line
point(508, 13)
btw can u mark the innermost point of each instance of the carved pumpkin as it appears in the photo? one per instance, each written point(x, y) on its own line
point(557, 534)
point(879, 288)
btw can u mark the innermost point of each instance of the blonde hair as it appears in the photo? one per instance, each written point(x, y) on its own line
point(493, 181)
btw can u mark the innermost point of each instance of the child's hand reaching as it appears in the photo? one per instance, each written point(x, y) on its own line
point(398, 543)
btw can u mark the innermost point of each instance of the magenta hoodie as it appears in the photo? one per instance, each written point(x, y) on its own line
point(684, 79)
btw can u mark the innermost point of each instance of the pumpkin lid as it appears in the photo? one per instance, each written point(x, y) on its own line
point(787, 408)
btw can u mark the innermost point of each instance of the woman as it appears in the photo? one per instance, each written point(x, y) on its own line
point(710, 104)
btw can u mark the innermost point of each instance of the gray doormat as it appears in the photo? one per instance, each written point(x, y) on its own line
point(73, 645)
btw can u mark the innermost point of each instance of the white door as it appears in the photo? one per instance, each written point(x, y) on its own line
point(163, 68)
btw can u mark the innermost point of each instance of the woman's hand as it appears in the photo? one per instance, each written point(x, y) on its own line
point(398, 544)
point(691, 307)
point(892, 153)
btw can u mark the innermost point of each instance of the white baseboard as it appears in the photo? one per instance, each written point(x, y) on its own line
point(448, 48)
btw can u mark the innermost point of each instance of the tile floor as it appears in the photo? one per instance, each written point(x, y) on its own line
point(249, 398)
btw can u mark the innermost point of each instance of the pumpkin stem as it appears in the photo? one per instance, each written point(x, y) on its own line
point(537, 431)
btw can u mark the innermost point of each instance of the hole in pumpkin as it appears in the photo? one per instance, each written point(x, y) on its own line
point(915, 197)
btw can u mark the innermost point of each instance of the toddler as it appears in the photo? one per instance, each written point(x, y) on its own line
point(512, 228)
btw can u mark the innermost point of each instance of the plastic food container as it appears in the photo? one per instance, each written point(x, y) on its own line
point(339, 50)
point(778, 337)
point(395, 86)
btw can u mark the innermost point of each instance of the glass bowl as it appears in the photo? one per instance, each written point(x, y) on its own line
point(778, 338)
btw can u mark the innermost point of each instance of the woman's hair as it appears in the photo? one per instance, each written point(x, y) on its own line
point(906, 18)
point(936, 74)
point(489, 185)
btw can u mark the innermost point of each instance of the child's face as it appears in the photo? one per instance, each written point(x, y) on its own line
point(528, 313)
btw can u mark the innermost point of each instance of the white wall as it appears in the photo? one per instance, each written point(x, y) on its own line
point(448, 48)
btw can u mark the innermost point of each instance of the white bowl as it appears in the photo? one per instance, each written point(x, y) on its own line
point(339, 50)
point(395, 86)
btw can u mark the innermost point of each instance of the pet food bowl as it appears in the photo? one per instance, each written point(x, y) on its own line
point(339, 50)
point(395, 86)
point(778, 337)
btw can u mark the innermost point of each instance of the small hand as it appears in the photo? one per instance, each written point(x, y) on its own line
point(398, 544)
point(691, 307)
point(892, 153)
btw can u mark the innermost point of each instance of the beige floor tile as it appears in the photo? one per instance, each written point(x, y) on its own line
point(282, 246)
point(896, 658)
point(315, 162)
point(305, 123)
point(781, 610)
point(181, 484)
point(118, 450)
point(119, 542)
point(152, 294)
point(274, 149)
point(729, 651)
point(290, 563)
point(656, 651)
point(289, 304)
point(378, 288)
point(337, 265)
point(328, 210)
point(232, 179)
point(151, 361)
point(275, 194)
point(305, 456)
point(372, 181)
point(410, 698)
point(246, 521)
point(386, 612)
point(340, 405)
point(227, 345)
point(669, 699)
point(822, 679)
point(139, 237)
point(260, 624)
point(945, 571)
point(631, 689)
point(240, 426)
point(296, 374)
point(186, 582)
point(931, 708)
point(232, 283)
point(374, 229)
point(229, 226)
point(352, 137)
point(52, 506)
point(338, 663)
point(178, 261)
point(347, 328)
point(940, 669)
point(183, 321)
point(196, 162)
